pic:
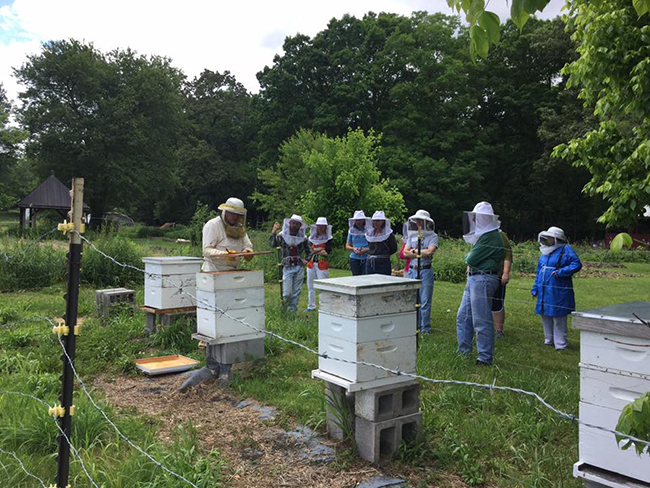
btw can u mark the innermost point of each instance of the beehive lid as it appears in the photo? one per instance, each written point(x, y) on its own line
point(172, 260)
point(621, 312)
point(367, 284)
point(165, 364)
point(626, 319)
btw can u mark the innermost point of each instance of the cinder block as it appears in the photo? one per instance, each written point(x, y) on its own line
point(387, 402)
point(235, 352)
point(339, 406)
point(377, 441)
point(106, 299)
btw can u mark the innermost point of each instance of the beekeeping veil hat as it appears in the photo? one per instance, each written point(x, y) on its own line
point(353, 229)
point(300, 236)
point(428, 226)
point(378, 235)
point(551, 239)
point(315, 237)
point(479, 221)
point(234, 206)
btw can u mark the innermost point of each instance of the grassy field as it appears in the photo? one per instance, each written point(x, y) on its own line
point(473, 437)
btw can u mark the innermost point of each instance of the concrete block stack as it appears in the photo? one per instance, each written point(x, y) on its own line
point(369, 319)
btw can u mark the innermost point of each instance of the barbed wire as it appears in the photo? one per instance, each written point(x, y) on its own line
point(22, 466)
point(75, 452)
point(490, 387)
point(8, 258)
point(112, 424)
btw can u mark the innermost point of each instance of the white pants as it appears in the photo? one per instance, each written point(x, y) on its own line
point(555, 331)
point(314, 274)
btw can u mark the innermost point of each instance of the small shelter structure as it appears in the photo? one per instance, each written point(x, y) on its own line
point(52, 194)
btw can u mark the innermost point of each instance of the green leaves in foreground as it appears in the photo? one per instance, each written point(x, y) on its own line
point(621, 241)
point(635, 421)
point(484, 32)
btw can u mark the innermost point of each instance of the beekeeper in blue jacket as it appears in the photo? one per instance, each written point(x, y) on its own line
point(554, 286)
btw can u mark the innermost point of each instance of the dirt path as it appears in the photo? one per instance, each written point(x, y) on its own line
point(259, 452)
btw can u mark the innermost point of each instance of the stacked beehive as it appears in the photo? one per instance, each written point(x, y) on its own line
point(614, 371)
point(170, 282)
point(370, 319)
point(240, 294)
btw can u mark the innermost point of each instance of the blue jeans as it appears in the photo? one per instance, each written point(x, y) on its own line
point(378, 266)
point(426, 275)
point(292, 279)
point(475, 314)
point(358, 266)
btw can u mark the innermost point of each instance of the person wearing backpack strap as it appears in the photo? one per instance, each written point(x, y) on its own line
point(553, 286)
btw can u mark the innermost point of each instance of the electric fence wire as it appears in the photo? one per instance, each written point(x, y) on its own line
point(490, 387)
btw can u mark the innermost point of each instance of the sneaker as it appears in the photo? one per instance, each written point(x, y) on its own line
point(499, 334)
point(548, 343)
point(482, 363)
point(309, 310)
point(425, 332)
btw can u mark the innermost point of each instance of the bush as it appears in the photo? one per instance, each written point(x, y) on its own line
point(448, 267)
point(101, 272)
point(607, 256)
point(146, 232)
point(28, 265)
point(201, 215)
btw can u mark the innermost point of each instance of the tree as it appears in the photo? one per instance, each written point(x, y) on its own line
point(612, 74)
point(215, 157)
point(113, 118)
point(330, 177)
point(13, 180)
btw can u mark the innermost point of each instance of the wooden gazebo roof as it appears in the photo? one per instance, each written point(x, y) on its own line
point(51, 194)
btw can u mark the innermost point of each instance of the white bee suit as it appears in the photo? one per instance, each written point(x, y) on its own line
point(216, 244)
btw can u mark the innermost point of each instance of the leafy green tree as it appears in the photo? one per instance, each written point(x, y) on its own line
point(612, 74)
point(13, 178)
point(113, 118)
point(332, 178)
point(215, 157)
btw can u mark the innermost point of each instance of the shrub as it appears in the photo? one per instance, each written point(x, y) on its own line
point(28, 265)
point(100, 271)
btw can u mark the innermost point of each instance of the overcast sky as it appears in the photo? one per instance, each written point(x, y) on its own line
point(239, 36)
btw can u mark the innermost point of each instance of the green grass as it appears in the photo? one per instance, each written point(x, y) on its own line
point(493, 438)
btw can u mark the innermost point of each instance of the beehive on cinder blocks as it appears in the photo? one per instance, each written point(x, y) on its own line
point(614, 371)
point(370, 319)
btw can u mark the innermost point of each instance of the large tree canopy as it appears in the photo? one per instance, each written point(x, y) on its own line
point(111, 118)
point(13, 181)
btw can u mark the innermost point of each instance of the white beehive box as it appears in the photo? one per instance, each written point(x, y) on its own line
point(397, 354)
point(172, 265)
point(221, 328)
point(614, 371)
point(240, 294)
point(229, 280)
point(367, 295)
point(230, 299)
point(369, 319)
point(367, 329)
point(170, 282)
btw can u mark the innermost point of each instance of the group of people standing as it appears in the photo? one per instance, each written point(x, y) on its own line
point(371, 242)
